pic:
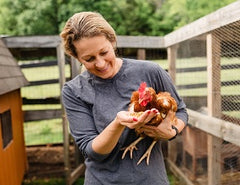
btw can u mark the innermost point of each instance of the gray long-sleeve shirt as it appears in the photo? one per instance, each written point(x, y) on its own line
point(92, 103)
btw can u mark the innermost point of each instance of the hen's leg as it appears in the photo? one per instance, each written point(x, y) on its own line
point(147, 153)
point(131, 147)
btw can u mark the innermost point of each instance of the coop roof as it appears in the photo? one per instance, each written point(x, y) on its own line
point(11, 76)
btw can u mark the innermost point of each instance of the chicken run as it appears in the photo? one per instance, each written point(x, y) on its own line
point(145, 98)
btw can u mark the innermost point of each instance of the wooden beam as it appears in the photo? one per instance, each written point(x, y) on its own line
point(43, 41)
point(214, 106)
point(172, 56)
point(224, 130)
point(61, 65)
point(141, 54)
point(35, 115)
point(76, 67)
point(52, 41)
point(79, 171)
point(140, 42)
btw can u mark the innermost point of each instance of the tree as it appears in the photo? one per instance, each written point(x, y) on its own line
point(128, 17)
point(182, 12)
point(24, 17)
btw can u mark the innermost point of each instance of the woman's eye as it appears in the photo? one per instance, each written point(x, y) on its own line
point(103, 53)
point(90, 59)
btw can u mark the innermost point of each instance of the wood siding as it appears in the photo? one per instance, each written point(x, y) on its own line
point(13, 158)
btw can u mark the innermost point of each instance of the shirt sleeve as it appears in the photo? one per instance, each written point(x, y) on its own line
point(165, 83)
point(81, 123)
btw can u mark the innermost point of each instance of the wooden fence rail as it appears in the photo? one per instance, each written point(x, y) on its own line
point(222, 129)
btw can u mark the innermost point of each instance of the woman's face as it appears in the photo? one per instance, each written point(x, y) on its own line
point(97, 55)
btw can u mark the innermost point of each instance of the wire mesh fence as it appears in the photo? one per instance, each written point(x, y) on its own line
point(43, 124)
point(192, 82)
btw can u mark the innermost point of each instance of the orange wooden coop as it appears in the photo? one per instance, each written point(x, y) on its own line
point(13, 158)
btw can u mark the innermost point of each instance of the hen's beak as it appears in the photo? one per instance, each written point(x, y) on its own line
point(140, 101)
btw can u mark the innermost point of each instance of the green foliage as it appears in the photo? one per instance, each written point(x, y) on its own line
point(25, 17)
point(181, 12)
point(128, 17)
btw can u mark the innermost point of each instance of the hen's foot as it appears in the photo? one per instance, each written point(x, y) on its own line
point(132, 147)
point(147, 153)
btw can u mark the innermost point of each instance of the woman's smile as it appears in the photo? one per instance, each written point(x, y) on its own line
point(103, 70)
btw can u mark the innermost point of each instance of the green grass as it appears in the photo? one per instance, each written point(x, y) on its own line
point(43, 132)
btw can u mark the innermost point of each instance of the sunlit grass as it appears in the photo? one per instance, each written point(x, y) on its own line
point(43, 132)
point(41, 91)
point(41, 107)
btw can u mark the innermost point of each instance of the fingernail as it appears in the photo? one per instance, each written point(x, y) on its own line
point(148, 111)
point(135, 119)
point(155, 111)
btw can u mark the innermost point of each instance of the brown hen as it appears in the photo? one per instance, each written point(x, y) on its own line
point(145, 99)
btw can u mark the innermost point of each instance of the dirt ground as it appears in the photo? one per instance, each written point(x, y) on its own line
point(47, 161)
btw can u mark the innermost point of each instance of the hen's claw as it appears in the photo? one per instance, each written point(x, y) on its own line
point(147, 153)
point(131, 147)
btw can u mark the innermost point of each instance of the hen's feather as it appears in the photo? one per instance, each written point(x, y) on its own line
point(145, 99)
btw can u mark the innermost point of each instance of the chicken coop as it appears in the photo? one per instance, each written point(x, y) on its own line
point(13, 158)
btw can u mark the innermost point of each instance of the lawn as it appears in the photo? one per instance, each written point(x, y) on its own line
point(43, 132)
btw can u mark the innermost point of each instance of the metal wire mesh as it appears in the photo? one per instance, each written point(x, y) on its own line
point(192, 84)
point(42, 125)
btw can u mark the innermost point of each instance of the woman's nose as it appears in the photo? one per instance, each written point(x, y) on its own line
point(100, 62)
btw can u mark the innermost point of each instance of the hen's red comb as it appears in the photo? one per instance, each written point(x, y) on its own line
point(142, 87)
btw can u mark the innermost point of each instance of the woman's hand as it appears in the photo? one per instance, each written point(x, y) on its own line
point(125, 118)
point(163, 130)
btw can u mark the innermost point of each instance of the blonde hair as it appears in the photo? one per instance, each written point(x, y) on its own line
point(82, 25)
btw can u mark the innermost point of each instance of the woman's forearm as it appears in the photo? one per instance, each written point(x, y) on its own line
point(180, 125)
point(108, 138)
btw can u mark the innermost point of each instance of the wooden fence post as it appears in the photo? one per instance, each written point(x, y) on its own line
point(61, 65)
point(214, 106)
point(76, 67)
point(141, 54)
point(172, 56)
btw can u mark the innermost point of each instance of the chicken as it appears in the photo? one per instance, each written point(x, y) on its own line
point(145, 99)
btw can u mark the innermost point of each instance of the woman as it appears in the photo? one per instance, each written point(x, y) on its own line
point(97, 101)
